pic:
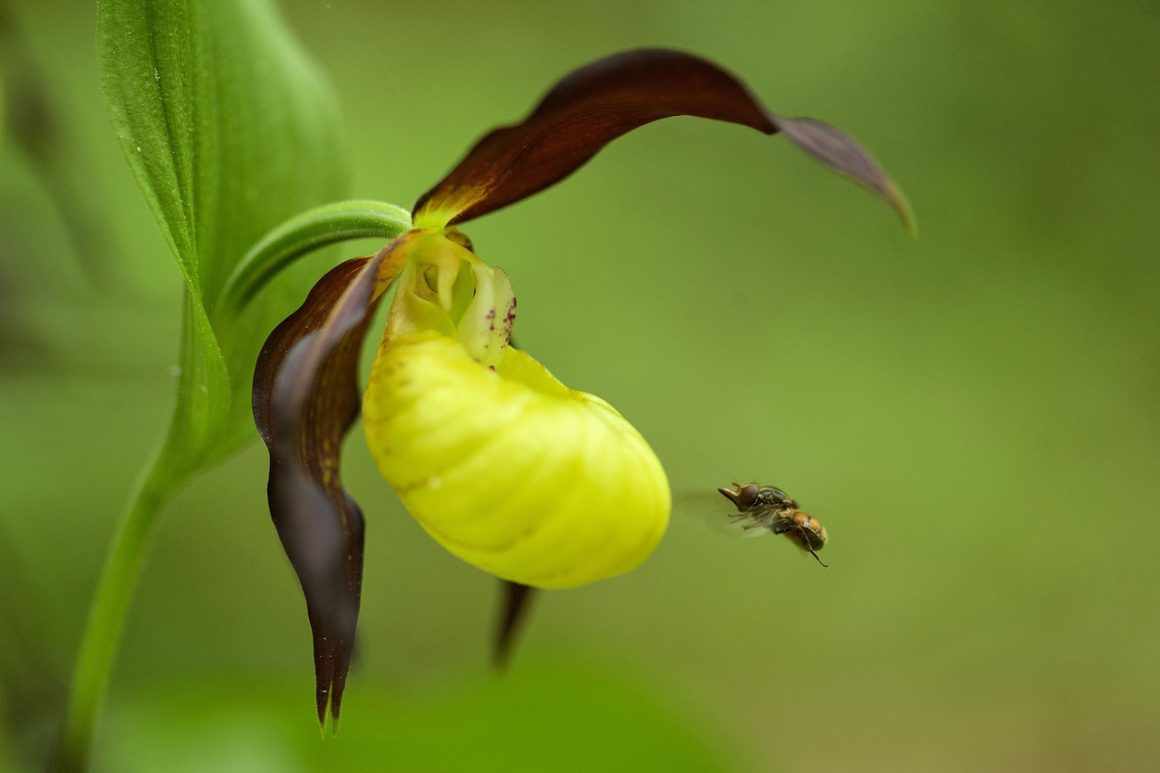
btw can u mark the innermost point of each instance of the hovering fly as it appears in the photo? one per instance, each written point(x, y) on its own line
point(767, 507)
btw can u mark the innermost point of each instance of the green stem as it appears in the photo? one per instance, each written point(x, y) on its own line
point(108, 611)
point(307, 231)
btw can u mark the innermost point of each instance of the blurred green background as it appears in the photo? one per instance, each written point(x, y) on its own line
point(974, 415)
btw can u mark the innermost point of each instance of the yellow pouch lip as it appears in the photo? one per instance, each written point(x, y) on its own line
point(509, 469)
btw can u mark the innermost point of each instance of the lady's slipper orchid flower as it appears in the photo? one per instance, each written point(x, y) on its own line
point(541, 485)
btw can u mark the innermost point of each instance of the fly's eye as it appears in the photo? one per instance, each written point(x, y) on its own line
point(747, 495)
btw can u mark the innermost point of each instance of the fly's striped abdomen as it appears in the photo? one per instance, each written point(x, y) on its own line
point(803, 530)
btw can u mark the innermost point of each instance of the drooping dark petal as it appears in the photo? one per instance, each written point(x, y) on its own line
point(841, 153)
point(602, 101)
point(516, 602)
point(305, 399)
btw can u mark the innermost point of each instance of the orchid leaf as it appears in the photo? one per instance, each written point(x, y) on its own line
point(229, 130)
point(608, 98)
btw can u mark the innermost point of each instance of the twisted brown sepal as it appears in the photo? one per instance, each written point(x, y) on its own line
point(841, 153)
point(305, 399)
point(516, 601)
point(606, 99)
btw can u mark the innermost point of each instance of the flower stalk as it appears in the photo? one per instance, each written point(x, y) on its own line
point(110, 606)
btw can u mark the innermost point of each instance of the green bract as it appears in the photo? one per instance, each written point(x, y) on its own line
point(231, 134)
point(229, 130)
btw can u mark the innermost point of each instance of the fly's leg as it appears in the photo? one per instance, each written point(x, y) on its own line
point(805, 534)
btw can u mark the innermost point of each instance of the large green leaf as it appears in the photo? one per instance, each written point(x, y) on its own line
point(229, 130)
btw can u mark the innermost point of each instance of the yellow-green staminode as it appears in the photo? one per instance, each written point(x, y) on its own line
point(500, 463)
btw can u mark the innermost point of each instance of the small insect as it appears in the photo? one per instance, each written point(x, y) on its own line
point(767, 507)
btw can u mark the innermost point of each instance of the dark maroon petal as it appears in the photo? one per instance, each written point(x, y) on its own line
point(305, 399)
point(516, 602)
point(581, 114)
point(841, 153)
point(598, 103)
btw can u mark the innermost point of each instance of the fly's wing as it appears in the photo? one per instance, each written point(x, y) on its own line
point(718, 513)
